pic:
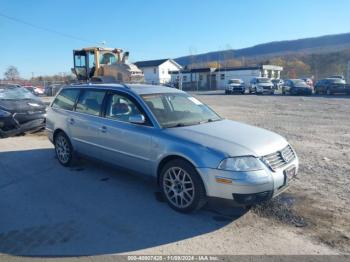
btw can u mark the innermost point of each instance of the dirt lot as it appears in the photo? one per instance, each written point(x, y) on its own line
point(93, 209)
point(319, 130)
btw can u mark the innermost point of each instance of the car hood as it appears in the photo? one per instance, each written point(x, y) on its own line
point(22, 105)
point(231, 138)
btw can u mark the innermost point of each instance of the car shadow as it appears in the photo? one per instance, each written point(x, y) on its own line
point(48, 210)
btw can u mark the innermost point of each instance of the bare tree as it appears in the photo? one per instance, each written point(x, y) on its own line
point(11, 73)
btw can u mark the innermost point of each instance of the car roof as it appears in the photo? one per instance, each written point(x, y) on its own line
point(140, 89)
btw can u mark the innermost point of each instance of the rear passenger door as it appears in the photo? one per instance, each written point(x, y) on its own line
point(85, 123)
point(127, 144)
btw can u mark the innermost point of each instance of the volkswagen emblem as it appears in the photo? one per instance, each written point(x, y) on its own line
point(284, 157)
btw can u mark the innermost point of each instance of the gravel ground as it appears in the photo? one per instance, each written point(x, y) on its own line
point(319, 130)
point(105, 216)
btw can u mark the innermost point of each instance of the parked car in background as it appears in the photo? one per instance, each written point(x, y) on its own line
point(277, 83)
point(52, 90)
point(296, 87)
point(235, 86)
point(261, 85)
point(35, 90)
point(331, 86)
point(170, 135)
point(20, 111)
point(337, 76)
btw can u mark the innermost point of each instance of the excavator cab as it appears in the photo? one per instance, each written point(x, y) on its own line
point(105, 64)
point(84, 64)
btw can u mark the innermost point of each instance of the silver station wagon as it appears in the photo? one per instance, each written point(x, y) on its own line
point(170, 135)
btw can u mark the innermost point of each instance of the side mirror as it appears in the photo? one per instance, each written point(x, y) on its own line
point(137, 119)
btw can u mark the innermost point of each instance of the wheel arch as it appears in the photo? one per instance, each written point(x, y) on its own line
point(171, 157)
point(56, 132)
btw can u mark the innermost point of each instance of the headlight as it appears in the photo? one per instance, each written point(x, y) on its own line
point(243, 164)
point(4, 113)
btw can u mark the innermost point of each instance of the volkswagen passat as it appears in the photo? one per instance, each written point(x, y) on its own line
point(169, 134)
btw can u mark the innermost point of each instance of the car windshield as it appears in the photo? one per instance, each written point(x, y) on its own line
point(263, 80)
point(15, 93)
point(179, 109)
point(234, 81)
point(300, 83)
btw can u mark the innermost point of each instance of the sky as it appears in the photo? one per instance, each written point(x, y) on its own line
point(152, 29)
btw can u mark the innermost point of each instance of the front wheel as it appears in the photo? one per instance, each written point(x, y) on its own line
point(182, 186)
point(63, 149)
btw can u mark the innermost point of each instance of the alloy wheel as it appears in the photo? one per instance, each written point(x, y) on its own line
point(178, 187)
point(63, 150)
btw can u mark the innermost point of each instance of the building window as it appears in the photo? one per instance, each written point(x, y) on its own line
point(155, 70)
point(200, 77)
point(222, 76)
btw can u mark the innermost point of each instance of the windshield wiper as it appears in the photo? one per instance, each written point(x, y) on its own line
point(181, 124)
point(209, 120)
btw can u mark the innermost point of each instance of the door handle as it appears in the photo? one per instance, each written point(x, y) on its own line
point(71, 121)
point(103, 129)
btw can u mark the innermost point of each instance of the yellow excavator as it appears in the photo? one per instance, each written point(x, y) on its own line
point(105, 65)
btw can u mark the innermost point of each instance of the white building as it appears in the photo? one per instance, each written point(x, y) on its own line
point(217, 78)
point(158, 71)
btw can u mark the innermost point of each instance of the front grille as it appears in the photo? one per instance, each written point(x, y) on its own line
point(280, 158)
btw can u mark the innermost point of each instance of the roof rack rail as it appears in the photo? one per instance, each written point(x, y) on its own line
point(125, 85)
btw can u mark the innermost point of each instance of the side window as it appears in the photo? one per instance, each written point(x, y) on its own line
point(120, 107)
point(90, 102)
point(66, 99)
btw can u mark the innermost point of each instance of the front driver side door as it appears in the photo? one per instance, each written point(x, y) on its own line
point(126, 144)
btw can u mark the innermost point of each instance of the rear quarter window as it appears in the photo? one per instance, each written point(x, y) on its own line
point(66, 99)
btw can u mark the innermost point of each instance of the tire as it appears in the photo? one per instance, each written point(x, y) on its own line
point(63, 149)
point(226, 92)
point(182, 187)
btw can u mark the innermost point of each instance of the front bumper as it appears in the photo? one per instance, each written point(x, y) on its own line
point(236, 89)
point(246, 188)
point(265, 89)
point(9, 126)
point(302, 91)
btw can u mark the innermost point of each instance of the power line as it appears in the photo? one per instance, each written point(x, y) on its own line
point(46, 29)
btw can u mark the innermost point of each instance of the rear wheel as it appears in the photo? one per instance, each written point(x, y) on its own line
point(63, 149)
point(182, 186)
